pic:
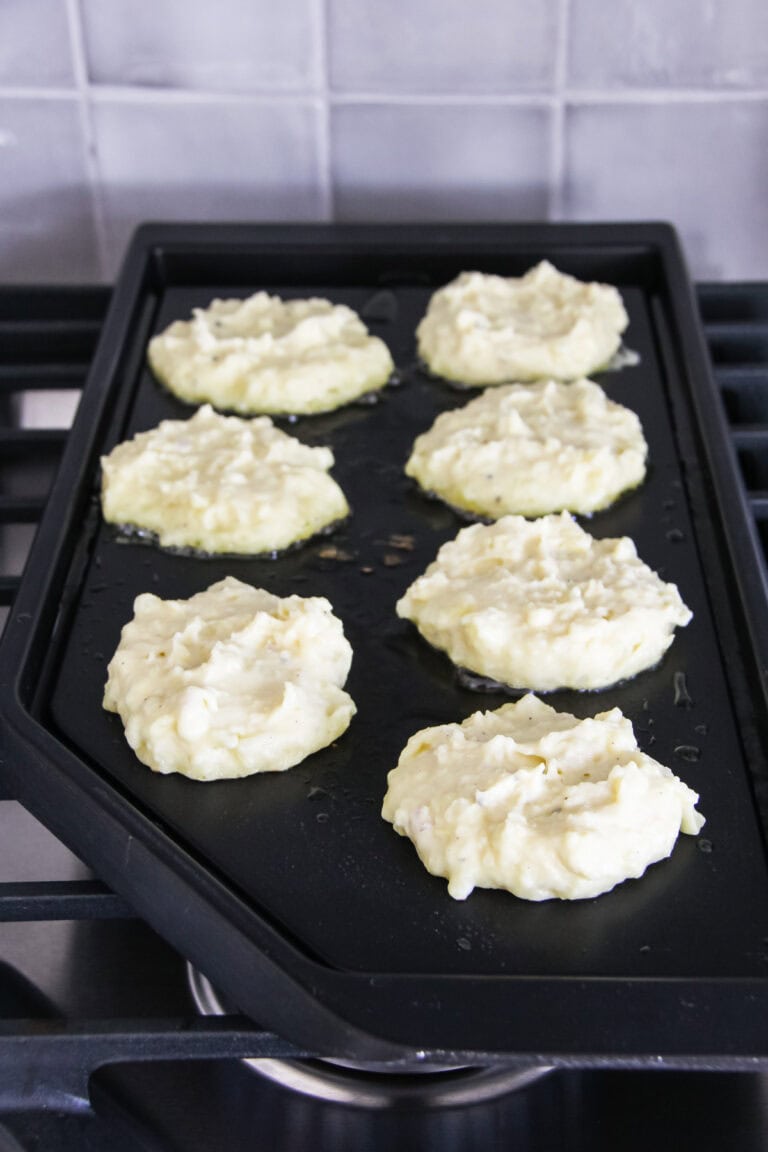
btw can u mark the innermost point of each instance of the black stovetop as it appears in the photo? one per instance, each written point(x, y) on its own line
point(83, 984)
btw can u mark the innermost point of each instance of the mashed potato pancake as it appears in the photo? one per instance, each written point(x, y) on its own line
point(269, 355)
point(536, 802)
point(221, 484)
point(484, 329)
point(542, 604)
point(230, 682)
point(532, 449)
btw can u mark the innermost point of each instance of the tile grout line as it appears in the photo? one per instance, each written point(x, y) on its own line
point(77, 41)
point(323, 110)
point(96, 94)
point(34, 93)
point(557, 143)
point(569, 95)
point(653, 96)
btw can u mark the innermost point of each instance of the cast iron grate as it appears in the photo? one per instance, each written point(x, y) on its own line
point(735, 318)
point(47, 339)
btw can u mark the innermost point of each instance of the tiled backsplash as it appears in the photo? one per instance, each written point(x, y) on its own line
point(113, 112)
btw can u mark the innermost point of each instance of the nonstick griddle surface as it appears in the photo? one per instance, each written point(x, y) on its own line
point(306, 851)
point(308, 846)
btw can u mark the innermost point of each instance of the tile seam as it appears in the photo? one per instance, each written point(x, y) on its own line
point(80, 67)
point(108, 94)
point(557, 128)
point(324, 162)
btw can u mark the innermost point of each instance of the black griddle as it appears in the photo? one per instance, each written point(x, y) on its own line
point(289, 890)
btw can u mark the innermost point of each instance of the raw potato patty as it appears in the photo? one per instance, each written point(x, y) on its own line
point(532, 449)
point(230, 682)
point(270, 355)
point(221, 484)
point(536, 802)
point(541, 604)
point(483, 329)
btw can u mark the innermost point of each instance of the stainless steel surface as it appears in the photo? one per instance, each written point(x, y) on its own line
point(377, 1086)
point(86, 968)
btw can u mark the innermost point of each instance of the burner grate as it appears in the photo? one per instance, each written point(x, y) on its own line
point(735, 318)
point(47, 339)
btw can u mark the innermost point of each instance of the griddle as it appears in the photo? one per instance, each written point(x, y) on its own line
point(288, 890)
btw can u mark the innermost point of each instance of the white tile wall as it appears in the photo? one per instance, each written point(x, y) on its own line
point(47, 229)
point(113, 112)
point(226, 46)
point(444, 46)
point(187, 160)
point(655, 43)
point(35, 48)
point(444, 162)
point(703, 165)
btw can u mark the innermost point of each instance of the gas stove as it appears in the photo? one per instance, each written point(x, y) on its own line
point(109, 1040)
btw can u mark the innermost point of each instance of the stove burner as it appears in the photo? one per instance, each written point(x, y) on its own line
point(376, 1086)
